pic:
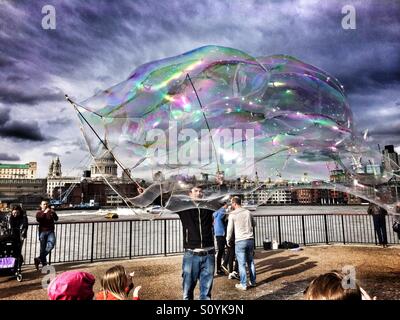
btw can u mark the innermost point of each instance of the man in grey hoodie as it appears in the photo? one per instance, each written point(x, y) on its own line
point(242, 222)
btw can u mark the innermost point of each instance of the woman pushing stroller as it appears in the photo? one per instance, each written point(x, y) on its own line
point(18, 223)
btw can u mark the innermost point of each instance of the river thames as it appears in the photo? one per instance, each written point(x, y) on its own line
point(86, 216)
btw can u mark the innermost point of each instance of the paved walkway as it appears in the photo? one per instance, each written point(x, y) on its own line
point(281, 274)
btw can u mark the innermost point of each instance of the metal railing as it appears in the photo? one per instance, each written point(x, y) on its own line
point(107, 240)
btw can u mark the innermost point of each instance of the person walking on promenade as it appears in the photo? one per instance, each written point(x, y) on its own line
point(117, 284)
point(378, 216)
point(19, 227)
point(396, 223)
point(242, 223)
point(220, 234)
point(230, 258)
point(230, 264)
point(198, 242)
point(46, 218)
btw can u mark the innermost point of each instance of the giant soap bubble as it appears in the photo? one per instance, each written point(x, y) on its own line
point(215, 115)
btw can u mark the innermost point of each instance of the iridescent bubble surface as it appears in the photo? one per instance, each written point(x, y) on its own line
point(217, 109)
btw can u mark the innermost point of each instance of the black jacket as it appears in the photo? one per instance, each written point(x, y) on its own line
point(197, 224)
point(376, 210)
point(19, 226)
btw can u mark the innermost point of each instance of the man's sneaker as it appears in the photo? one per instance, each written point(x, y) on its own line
point(240, 287)
point(252, 284)
point(37, 262)
point(233, 275)
point(225, 269)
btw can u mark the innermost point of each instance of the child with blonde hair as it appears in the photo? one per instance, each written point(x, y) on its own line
point(116, 284)
point(332, 286)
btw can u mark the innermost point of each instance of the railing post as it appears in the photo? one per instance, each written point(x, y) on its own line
point(130, 239)
point(344, 238)
point(92, 245)
point(326, 230)
point(165, 237)
point(279, 230)
point(303, 229)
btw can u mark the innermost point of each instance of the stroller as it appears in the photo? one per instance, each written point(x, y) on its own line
point(10, 251)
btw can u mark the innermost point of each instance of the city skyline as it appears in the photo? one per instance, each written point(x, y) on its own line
point(95, 47)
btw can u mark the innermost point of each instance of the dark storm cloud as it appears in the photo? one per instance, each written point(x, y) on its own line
point(16, 78)
point(5, 62)
point(4, 116)
point(15, 95)
point(9, 157)
point(125, 33)
point(59, 122)
point(369, 78)
point(388, 130)
point(17, 131)
point(51, 154)
point(378, 141)
point(104, 78)
point(376, 107)
point(84, 31)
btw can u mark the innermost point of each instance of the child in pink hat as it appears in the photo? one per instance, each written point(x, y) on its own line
point(72, 285)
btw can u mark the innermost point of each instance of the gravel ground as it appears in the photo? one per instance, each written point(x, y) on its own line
point(281, 274)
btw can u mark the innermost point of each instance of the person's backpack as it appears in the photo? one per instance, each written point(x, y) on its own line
point(288, 245)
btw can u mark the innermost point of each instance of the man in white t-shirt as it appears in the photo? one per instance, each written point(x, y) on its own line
point(242, 223)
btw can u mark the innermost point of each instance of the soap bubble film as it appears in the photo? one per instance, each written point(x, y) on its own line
point(221, 113)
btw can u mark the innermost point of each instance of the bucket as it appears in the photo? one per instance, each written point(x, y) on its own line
point(267, 244)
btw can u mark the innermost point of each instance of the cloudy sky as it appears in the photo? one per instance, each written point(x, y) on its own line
point(98, 43)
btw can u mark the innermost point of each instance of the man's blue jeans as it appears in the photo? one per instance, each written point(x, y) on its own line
point(244, 255)
point(195, 268)
point(47, 242)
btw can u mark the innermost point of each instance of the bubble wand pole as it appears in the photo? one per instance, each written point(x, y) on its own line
point(205, 118)
point(101, 140)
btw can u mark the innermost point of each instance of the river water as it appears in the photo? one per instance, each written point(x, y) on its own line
point(88, 216)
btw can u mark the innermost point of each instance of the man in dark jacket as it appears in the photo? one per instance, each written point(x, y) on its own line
point(397, 218)
point(198, 242)
point(379, 216)
point(46, 218)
